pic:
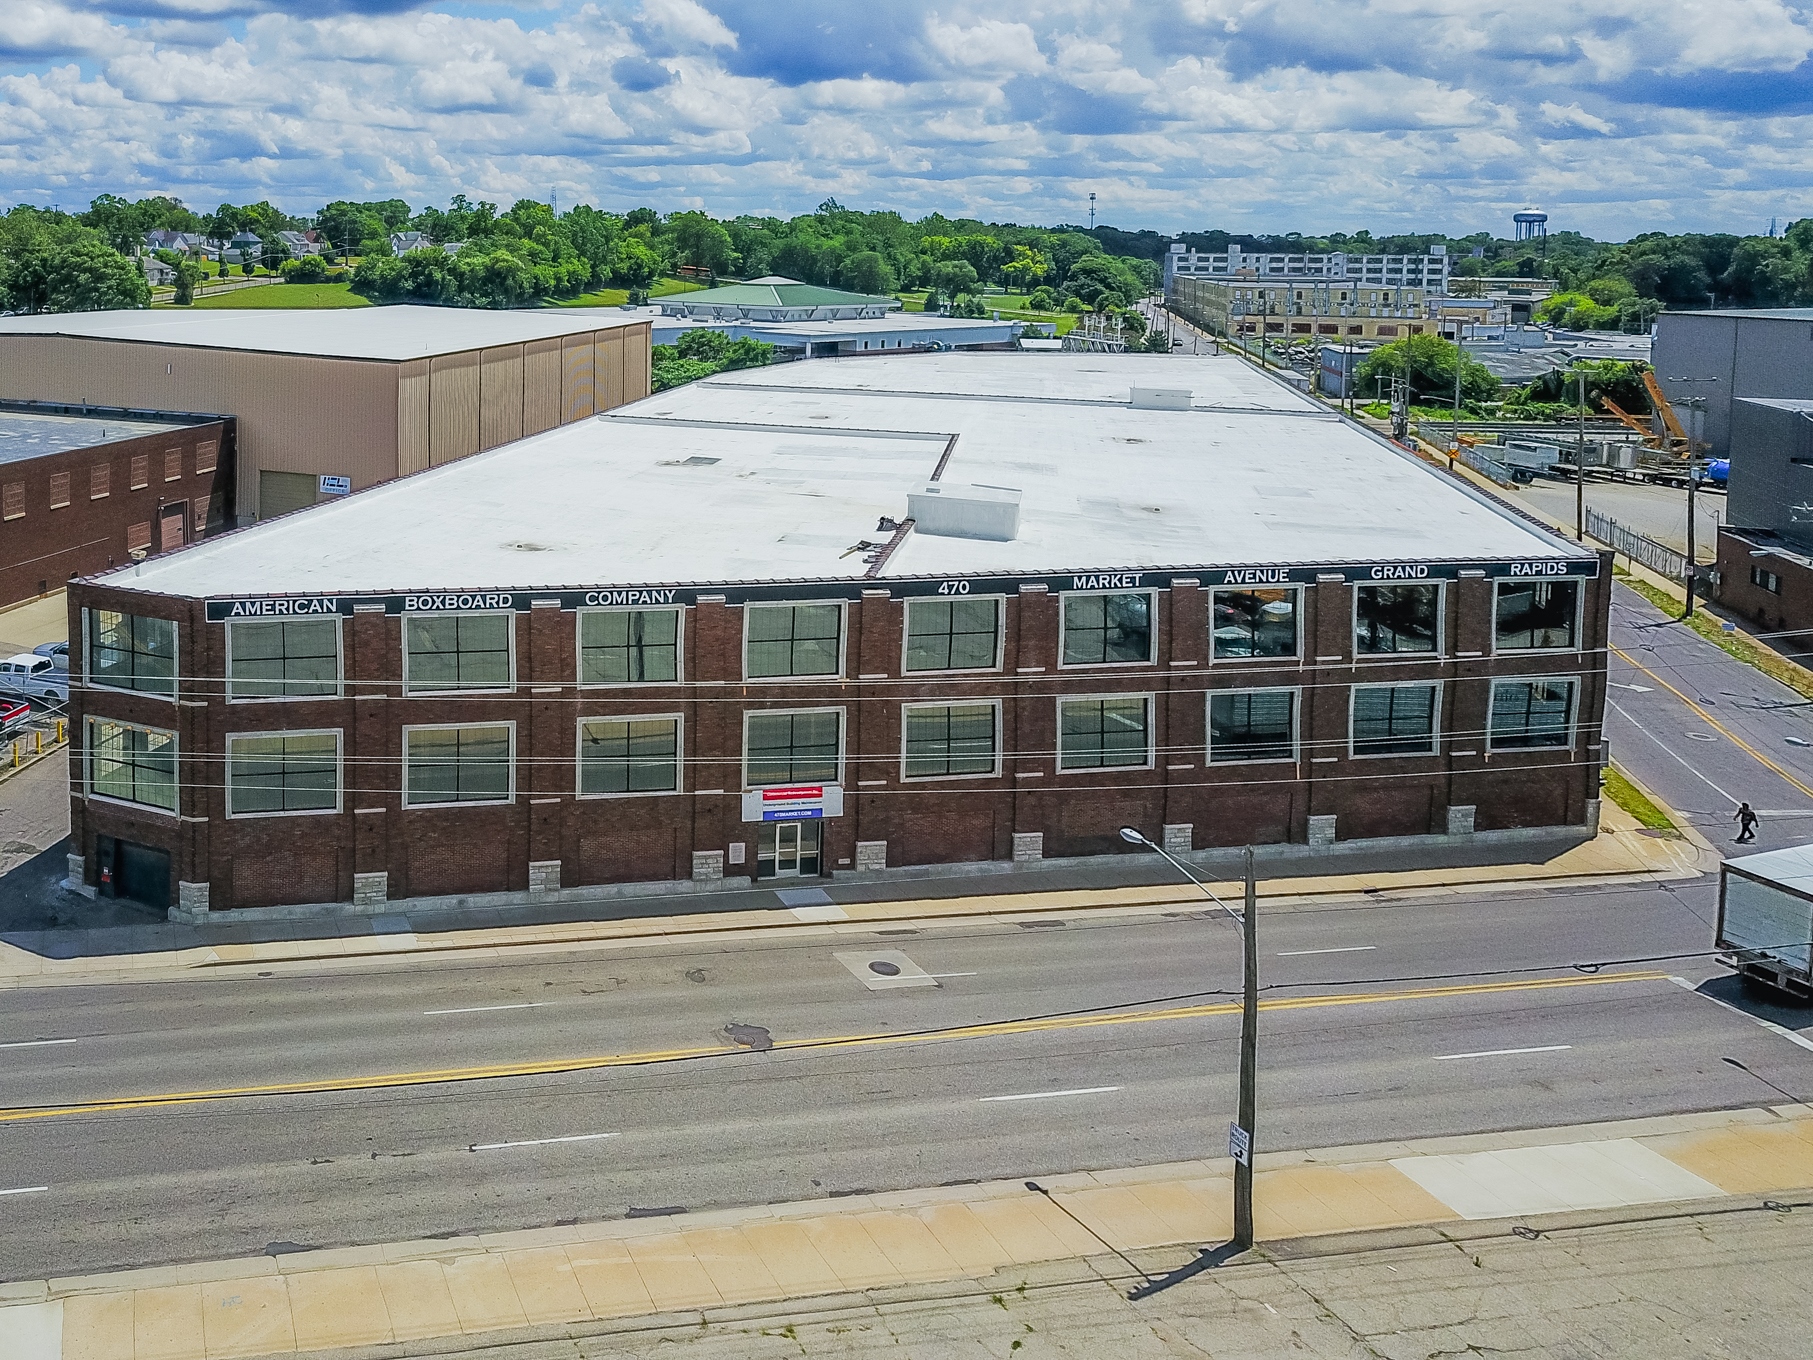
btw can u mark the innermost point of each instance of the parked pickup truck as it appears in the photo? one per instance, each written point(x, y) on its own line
point(1766, 918)
point(35, 677)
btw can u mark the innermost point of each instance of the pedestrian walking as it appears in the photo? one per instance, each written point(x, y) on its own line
point(1746, 823)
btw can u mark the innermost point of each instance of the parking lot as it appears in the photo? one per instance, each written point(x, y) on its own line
point(1657, 512)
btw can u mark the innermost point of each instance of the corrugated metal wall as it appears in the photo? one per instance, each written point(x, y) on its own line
point(453, 397)
point(541, 386)
point(297, 413)
point(368, 420)
point(577, 393)
point(635, 363)
point(501, 396)
point(412, 417)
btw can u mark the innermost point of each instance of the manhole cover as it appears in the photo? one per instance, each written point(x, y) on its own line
point(885, 968)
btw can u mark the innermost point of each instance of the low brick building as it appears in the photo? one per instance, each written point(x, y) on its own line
point(82, 491)
point(845, 618)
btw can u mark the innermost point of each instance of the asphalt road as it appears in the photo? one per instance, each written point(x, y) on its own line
point(1367, 1042)
point(1706, 732)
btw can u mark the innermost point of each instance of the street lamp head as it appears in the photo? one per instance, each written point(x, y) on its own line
point(1133, 837)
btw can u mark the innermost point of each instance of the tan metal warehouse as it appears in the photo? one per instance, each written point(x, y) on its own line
point(336, 400)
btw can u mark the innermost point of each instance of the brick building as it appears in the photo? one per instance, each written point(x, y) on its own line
point(836, 619)
point(84, 491)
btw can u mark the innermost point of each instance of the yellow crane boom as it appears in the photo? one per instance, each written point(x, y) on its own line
point(1663, 408)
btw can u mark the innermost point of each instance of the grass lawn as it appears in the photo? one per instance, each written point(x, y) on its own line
point(1012, 306)
point(1634, 801)
point(616, 297)
point(290, 296)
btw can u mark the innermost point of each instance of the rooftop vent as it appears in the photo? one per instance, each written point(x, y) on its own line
point(950, 511)
point(1161, 398)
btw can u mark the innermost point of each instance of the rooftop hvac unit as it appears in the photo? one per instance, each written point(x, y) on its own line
point(1161, 398)
point(950, 511)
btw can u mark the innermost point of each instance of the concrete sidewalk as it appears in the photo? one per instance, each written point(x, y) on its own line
point(558, 1282)
point(1622, 852)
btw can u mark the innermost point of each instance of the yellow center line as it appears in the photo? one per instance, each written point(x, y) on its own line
point(1714, 723)
point(435, 1077)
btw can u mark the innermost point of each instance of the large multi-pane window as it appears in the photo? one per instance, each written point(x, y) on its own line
point(1531, 714)
point(1537, 614)
point(952, 635)
point(629, 646)
point(1394, 720)
point(283, 772)
point(131, 763)
point(792, 639)
point(457, 764)
point(282, 658)
point(127, 651)
point(941, 740)
point(1095, 734)
point(1251, 623)
point(1252, 724)
point(1397, 618)
point(449, 652)
point(1107, 629)
point(782, 747)
point(629, 755)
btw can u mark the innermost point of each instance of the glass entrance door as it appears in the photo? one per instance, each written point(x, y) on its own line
point(788, 850)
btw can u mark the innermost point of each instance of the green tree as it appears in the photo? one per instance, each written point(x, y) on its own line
point(702, 242)
point(49, 262)
point(868, 271)
point(952, 277)
point(637, 263)
point(188, 274)
point(1428, 362)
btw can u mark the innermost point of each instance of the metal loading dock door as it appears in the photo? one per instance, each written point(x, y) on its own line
point(281, 492)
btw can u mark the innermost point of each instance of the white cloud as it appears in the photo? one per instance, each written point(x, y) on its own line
point(1573, 115)
point(1306, 114)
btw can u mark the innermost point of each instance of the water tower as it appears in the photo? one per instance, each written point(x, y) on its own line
point(1531, 225)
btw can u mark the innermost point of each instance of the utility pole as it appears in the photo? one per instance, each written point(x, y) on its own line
point(1091, 212)
point(1696, 414)
point(1460, 358)
point(1240, 1133)
point(1249, 1066)
point(1580, 468)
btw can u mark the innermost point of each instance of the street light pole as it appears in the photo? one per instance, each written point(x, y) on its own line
point(1240, 1134)
point(1696, 414)
point(1580, 468)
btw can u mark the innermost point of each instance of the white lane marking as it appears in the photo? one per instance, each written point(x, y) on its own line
point(939, 975)
point(1639, 689)
point(1345, 949)
point(26, 1190)
point(1051, 1095)
point(1505, 1052)
point(1769, 1025)
point(474, 1010)
point(1676, 754)
point(39, 1043)
point(542, 1142)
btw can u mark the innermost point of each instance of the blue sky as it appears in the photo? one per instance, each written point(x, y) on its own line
point(1316, 115)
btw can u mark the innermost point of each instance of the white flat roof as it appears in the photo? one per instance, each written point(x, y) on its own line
point(391, 333)
point(783, 474)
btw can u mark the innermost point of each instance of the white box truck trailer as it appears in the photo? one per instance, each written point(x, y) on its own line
point(1766, 918)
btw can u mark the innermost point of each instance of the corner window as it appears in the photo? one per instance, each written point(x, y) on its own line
point(1095, 734)
point(791, 639)
point(131, 763)
point(1537, 615)
point(1392, 620)
point(629, 647)
point(1101, 630)
point(792, 748)
point(1252, 724)
point(629, 755)
point(282, 658)
point(450, 652)
point(1249, 623)
point(458, 765)
point(945, 740)
point(126, 651)
point(953, 635)
point(283, 772)
point(1394, 720)
point(1531, 714)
